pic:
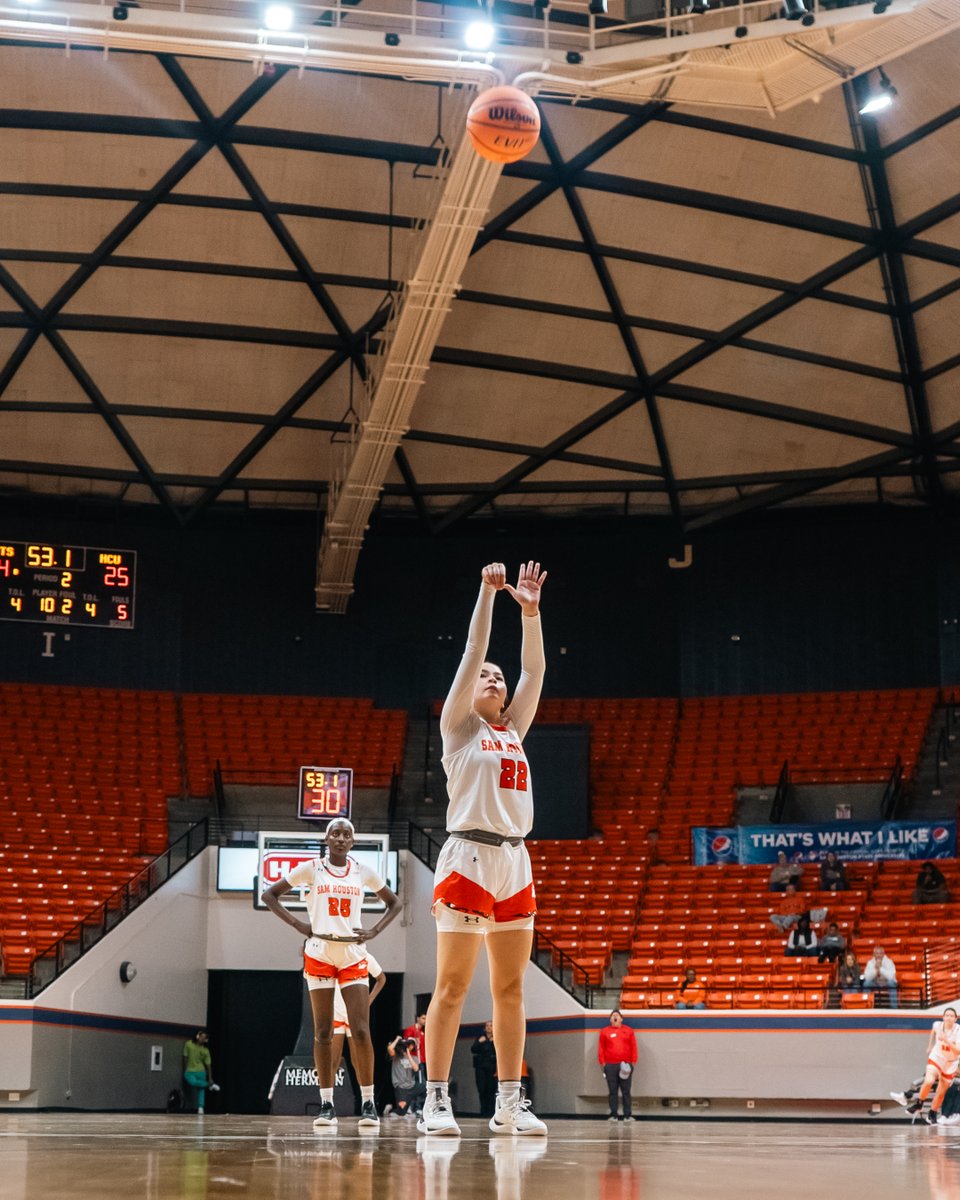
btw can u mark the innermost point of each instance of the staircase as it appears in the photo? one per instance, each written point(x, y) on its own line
point(423, 789)
point(936, 785)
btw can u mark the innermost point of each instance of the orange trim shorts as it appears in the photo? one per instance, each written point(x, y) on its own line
point(483, 889)
point(325, 964)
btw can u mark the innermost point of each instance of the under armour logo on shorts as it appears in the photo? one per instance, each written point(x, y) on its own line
point(471, 920)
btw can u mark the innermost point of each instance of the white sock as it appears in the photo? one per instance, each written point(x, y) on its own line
point(326, 1095)
point(508, 1091)
point(437, 1085)
point(366, 1093)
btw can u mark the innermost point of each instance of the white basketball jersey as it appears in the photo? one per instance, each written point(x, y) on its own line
point(488, 781)
point(335, 898)
point(946, 1064)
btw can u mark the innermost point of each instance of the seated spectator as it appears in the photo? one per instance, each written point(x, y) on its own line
point(784, 873)
point(849, 975)
point(693, 992)
point(833, 875)
point(832, 944)
point(405, 1076)
point(880, 975)
point(931, 886)
point(790, 910)
point(803, 937)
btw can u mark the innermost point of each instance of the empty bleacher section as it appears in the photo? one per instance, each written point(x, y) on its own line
point(659, 768)
point(84, 777)
point(266, 739)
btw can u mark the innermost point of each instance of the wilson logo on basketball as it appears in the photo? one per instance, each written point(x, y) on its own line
point(516, 115)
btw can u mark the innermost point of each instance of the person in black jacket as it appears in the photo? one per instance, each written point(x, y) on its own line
point(485, 1069)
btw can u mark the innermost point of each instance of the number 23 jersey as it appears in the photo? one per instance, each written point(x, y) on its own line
point(335, 899)
point(488, 781)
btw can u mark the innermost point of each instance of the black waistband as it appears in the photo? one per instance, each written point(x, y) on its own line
point(486, 838)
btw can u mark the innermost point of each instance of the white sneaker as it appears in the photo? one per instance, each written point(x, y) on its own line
point(516, 1117)
point(437, 1116)
point(953, 1119)
point(214, 1087)
point(899, 1097)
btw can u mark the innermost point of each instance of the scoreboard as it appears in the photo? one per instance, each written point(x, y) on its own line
point(325, 793)
point(67, 585)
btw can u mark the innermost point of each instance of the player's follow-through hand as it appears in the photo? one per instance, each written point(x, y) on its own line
point(529, 584)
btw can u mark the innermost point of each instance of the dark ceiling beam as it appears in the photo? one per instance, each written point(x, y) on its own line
point(766, 312)
point(756, 133)
point(701, 201)
point(200, 330)
point(816, 476)
point(280, 208)
point(602, 145)
point(921, 131)
point(790, 414)
point(879, 203)
point(113, 423)
point(35, 314)
point(412, 488)
point(192, 131)
point(184, 85)
point(793, 490)
point(565, 440)
point(751, 279)
point(536, 368)
point(941, 368)
point(234, 417)
point(615, 304)
point(228, 476)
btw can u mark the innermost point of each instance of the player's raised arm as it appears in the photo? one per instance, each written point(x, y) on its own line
point(523, 706)
point(459, 702)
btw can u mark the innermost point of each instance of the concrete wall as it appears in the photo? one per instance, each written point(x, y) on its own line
point(87, 1040)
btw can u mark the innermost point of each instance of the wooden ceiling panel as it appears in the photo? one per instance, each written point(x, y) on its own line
point(718, 164)
point(190, 373)
point(164, 295)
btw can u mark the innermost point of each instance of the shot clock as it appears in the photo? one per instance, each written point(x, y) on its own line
point(67, 585)
point(325, 793)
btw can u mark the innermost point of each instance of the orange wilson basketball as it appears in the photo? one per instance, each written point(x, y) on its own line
point(504, 124)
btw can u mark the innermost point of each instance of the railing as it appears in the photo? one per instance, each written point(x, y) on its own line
point(424, 845)
point(63, 953)
point(780, 795)
point(941, 972)
point(773, 998)
point(892, 792)
point(562, 969)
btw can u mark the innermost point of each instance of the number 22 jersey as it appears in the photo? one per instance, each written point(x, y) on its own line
point(335, 899)
point(488, 781)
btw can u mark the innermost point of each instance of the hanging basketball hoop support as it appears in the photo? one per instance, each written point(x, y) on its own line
point(398, 374)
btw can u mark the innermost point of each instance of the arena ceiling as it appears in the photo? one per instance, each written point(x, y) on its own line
point(712, 287)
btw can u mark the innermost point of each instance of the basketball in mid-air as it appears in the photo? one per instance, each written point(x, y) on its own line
point(504, 124)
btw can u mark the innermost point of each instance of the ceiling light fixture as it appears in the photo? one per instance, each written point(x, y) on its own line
point(880, 96)
point(278, 17)
point(479, 35)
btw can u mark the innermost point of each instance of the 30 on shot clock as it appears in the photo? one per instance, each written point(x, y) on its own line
point(67, 585)
point(325, 793)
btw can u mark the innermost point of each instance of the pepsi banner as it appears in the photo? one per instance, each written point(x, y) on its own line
point(714, 844)
point(851, 840)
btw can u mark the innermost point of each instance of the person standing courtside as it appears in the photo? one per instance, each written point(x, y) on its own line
point(483, 891)
point(617, 1052)
point(198, 1071)
point(485, 1069)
